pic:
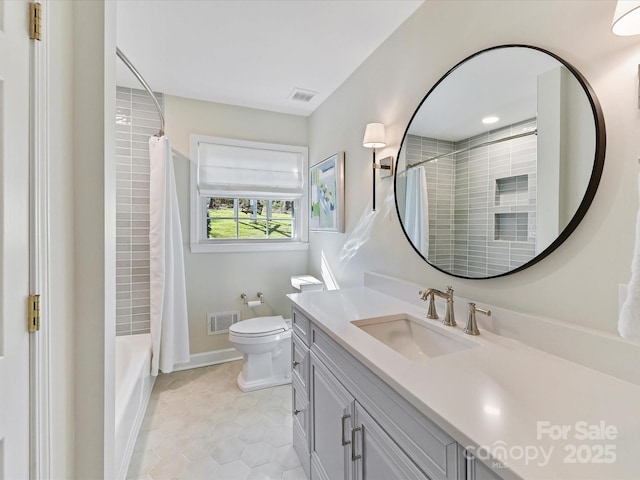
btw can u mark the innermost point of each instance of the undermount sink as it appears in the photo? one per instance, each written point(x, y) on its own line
point(413, 338)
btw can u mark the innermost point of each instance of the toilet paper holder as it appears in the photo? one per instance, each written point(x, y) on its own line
point(260, 296)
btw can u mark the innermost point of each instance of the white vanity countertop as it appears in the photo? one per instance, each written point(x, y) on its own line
point(500, 395)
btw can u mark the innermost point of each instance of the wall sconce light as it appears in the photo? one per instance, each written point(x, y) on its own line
point(374, 137)
point(626, 22)
point(626, 19)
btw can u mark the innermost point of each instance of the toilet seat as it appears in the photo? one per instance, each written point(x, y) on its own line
point(259, 327)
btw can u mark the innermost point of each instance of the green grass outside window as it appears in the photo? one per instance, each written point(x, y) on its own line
point(222, 225)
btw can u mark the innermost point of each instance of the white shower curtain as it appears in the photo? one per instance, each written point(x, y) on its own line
point(416, 218)
point(169, 321)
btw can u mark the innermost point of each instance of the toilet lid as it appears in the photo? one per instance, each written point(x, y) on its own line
point(259, 326)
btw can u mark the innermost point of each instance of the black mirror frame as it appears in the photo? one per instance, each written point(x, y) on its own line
point(594, 181)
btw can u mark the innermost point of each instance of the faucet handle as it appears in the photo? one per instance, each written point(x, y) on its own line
point(472, 326)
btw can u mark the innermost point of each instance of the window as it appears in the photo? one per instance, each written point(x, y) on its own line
point(244, 218)
point(247, 196)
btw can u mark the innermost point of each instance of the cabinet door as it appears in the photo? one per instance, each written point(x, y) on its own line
point(476, 470)
point(377, 456)
point(331, 415)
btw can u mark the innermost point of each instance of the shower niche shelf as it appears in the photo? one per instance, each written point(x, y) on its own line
point(510, 191)
point(511, 227)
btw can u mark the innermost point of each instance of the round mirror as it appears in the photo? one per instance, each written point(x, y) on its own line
point(500, 162)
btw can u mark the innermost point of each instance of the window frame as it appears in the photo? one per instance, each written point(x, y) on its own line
point(200, 244)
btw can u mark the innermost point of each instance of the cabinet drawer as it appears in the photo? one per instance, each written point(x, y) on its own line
point(301, 326)
point(299, 408)
point(301, 439)
point(300, 362)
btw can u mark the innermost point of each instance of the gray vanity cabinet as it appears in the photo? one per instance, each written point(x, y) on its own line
point(346, 442)
point(332, 409)
point(357, 427)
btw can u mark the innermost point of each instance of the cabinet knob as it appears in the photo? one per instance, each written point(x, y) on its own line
point(296, 412)
point(295, 364)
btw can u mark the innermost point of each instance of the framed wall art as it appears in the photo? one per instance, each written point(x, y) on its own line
point(327, 195)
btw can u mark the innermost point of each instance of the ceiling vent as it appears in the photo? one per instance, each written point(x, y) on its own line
point(301, 95)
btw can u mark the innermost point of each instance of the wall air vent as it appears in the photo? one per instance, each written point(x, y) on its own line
point(301, 95)
point(220, 322)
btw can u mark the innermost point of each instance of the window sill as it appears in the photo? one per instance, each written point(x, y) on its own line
point(248, 247)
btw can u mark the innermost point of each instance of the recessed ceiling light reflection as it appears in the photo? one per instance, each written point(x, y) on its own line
point(489, 120)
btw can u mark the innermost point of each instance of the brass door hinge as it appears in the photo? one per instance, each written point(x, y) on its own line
point(34, 313)
point(35, 21)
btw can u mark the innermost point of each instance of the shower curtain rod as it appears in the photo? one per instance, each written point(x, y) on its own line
point(484, 144)
point(145, 85)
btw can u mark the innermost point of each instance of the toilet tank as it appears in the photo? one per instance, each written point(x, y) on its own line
point(306, 283)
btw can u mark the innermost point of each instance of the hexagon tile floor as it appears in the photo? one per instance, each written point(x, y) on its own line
point(200, 426)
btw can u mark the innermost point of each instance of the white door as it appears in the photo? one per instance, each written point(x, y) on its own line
point(14, 239)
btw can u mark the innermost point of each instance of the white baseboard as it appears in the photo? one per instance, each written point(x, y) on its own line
point(205, 359)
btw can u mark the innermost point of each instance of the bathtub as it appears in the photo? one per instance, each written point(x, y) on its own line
point(133, 388)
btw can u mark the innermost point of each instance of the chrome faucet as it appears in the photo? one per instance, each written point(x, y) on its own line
point(472, 326)
point(429, 294)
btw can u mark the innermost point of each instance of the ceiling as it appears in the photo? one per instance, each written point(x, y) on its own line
point(252, 53)
point(502, 82)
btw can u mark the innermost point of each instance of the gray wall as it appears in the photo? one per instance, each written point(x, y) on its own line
point(94, 227)
point(136, 120)
point(216, 280)
point(62, 326)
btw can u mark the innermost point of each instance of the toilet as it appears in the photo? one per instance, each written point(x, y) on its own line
point(265, 343)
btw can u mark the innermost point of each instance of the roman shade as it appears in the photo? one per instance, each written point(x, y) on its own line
point(225, 170)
